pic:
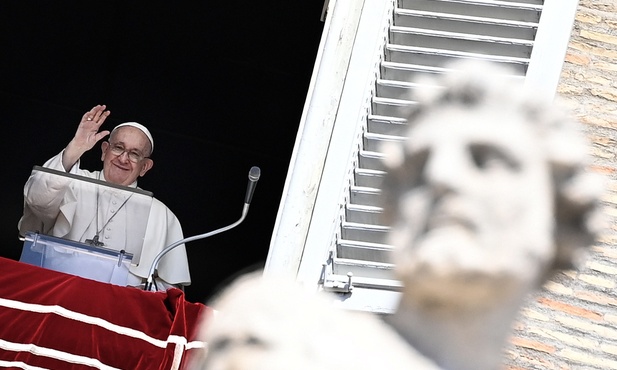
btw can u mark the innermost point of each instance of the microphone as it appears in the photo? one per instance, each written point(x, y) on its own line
point(254, 174)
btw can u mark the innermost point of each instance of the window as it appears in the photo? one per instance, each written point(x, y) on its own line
point(328, 232)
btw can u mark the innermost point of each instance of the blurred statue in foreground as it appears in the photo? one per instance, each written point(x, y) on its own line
point(486, 198)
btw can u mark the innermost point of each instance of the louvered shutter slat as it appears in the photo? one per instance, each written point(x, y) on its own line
point(368, 178)
point(466, 24)
point(363, 214)
point(364, 269)
point(462, 42)
point(510, 10)
point(406, 72)
point(385, 125)
point(393, 89)
point(441, 57)
point(371, 160)
point(365, 196)
point(364, 251)
point(374, 142)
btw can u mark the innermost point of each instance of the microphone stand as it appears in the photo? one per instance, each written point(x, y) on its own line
point(254, 174)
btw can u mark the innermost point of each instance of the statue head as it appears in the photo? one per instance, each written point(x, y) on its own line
point(488, 192)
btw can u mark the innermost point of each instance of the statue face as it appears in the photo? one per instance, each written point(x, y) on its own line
point(473, 205)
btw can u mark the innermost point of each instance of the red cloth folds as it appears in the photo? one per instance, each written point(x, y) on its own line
point(58, 321)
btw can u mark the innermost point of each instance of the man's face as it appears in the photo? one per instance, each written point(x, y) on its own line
point(119, 168)
point(475, 207)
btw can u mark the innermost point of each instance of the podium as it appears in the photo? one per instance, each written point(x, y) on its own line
point(64, 307)
point(84, 226)
point(80, 259)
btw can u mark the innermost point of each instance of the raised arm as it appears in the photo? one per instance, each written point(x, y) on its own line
point(87, 135)
point(43, 193)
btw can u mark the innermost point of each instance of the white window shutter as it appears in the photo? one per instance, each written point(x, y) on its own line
point(341, 242)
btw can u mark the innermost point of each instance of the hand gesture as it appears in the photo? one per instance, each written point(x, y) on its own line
point(86, 136)
point(88, 131)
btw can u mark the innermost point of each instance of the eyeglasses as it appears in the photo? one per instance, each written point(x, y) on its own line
point(118, 150)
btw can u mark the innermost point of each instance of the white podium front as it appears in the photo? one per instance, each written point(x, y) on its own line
point(80, 259)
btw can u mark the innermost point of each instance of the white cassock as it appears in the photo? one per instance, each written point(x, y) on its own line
point(53, 207)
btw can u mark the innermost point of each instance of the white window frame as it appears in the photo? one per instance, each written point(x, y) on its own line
point(338, 95)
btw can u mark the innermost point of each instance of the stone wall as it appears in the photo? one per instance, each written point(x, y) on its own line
point(572, 322)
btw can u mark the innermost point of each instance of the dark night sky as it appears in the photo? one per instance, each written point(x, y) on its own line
point(220, 84)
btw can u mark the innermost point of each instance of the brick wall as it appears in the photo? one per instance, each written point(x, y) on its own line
point(572, 322)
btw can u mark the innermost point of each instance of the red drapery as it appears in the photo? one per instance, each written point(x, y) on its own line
point(51, 320)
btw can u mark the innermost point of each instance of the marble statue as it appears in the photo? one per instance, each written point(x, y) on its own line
point(488, 195)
